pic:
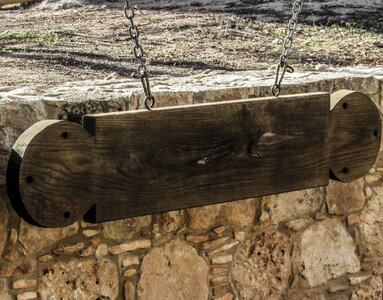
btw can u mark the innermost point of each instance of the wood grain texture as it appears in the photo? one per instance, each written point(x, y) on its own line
point(354, 136)
point(134, 163)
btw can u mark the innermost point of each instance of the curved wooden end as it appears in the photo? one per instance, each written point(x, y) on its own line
point(44, 159)
point(355, 132)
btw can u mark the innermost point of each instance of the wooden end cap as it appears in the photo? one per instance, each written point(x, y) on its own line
point(355, 132)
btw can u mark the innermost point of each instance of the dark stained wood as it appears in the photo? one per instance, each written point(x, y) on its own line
point(134, 163)
point(354, 136)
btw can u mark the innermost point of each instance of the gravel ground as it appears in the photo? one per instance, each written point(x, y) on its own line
point(92, 42)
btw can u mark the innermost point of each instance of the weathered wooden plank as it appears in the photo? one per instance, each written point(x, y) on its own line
point(143, 162)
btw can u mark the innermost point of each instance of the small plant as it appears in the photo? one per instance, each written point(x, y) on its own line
point(45, 36)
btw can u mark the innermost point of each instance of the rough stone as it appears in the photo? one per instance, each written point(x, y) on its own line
point(130, 261)
point(371, 226)
point(3, 224)
point(261, 266)
point(35, 238)
point(218, 280)
point(327, 251)
point(219, 230)
point(95, 241)
point(24, 283)
point(88, 251)
point(240, 235)
point(126, 228)
point(372, 178)
point(283, 207)
point(354, 280)
point(219, 291)
point(11, 255)
point(102, 250)
point(368, 192)
point(27, 296)
point(344, 198)
point(129, 291)
point(299, 224)
point(45, 258)
point(353, 219)
point(170, 266)
point(219, 270)
point(203, 217)
point(5, 296)
point(79, 279)
point(212, 244)
point(239, 214)
point(17, 269)
point(172, 221)
point(369, 289)
point(130, 272)
point(197, 238)
point(222, 259)
point(228, 296)
point(225, 247)
point(139, 244)
point(12, 237)
point(337, 288)
point(90, 232)
point(69, 249)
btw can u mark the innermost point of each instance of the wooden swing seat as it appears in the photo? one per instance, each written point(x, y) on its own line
point(127, 164)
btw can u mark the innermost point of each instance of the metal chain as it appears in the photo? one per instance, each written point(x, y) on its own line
point(283, 65)
point(142, 71)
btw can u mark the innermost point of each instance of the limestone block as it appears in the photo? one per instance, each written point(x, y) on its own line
point(239, 214)
point(236, 214)
point(344, 198)
point(27, 296)
point(203, 217)
point(79, 279)
point(35, 238)
point(122, 248)
point(222, 259)
point(261, 266)
point(371, 226)
point(24, 283)
point(369, 289)
point(285, 206)
point(327, 251)
point(126, 228)
point(173, 272)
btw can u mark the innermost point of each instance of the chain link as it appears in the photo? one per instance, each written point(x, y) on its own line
point(283, 65)
point(139, 53)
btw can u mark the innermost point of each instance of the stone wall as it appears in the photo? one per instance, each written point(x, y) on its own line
point(320, 243)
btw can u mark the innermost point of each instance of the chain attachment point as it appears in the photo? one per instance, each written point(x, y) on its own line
point(139, 53)
point(283, 65)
